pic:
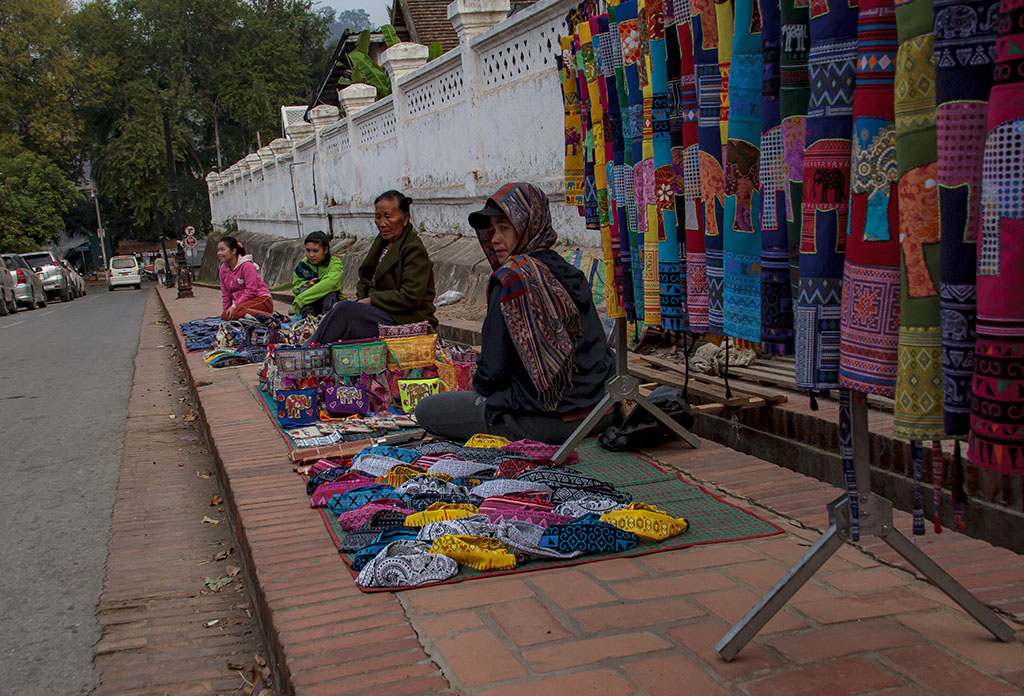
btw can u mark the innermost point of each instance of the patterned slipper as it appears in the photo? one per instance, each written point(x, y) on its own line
point(587, 537)
point(398, 475)
point(487, 441)
point(375, 465)
point(539, 451)
point(479, 553)
point(383, 521)
point(406, 564)
point(440, 512)
point(335, 474)
point(646, 521)
point(348, 482)
point(474, 525)
point(587, 504)
point(570, 484)
point(524, 538)
point(400, 453)
point(366, 554)
point(459, 468)
point(350, 500)
point(419, 503)
point(503, 486)
point(431, 484)
point(354, 519)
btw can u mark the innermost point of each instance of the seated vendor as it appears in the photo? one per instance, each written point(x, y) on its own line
point(242, 290)
point(396, 279)
point(544, 358)
point(317, 278)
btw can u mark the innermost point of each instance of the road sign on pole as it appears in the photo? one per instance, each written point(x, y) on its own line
point(190, 241)
point(190, 231)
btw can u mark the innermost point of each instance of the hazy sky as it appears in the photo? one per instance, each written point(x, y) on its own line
point(377, 9)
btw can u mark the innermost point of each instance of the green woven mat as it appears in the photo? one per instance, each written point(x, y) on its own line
point(712, 520)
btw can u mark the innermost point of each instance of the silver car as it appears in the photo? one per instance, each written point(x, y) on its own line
point(77, 281)
point(47, 266)
point(28, 289)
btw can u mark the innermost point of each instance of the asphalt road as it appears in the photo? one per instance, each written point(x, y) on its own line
point(65, 376)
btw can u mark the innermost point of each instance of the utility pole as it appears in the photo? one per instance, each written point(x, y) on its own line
point(184, 279)
point(99, 227)
point(159, 223)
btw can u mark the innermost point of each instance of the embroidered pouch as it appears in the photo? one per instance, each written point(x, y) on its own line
point(419, 328)
point(356, 357)
point(296, 408)
point(411, 391)
point(346, 399)
point(411, 352)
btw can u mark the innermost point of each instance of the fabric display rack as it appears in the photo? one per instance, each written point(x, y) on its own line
point(838, 181)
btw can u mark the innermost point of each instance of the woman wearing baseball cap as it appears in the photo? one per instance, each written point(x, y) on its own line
point(544, 357)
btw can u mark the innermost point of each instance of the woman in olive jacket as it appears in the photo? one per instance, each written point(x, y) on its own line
point(396, 279)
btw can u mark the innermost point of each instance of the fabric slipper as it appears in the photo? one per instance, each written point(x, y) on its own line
point(524, 538)
point(323, 477)
point(503, 486)
point(419, 503)
point(326, 491)
point(431, 484)
point(588, 503)
point(439, 512)
point(383, 521)
point(402, 473)
point(487, 441)
point(401, 453)
point(354, 519)
point(479, 553)
point(406, 563)
point(365, 554)
point(375, 465)
point(459, 468)
point(350, 500)
point(570, 484)
point(513, 466)
point(587, 537)
point(646, 521)
point(474, 525)
point(540, 451)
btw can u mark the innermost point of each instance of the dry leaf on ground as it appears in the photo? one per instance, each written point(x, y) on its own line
point(207, 520)
point(218, 583)
point(203, 475)
point(216, 500)
point(232, 571)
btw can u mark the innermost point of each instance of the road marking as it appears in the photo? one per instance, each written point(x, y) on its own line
point(45, 313)
point(13, 323)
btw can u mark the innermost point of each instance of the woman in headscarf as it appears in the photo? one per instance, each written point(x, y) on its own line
point(396, 279)
point(544, 359)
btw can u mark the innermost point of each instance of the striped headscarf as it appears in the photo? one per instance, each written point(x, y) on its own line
point(542, 319)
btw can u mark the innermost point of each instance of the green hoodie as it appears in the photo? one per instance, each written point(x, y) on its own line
point(329, 279)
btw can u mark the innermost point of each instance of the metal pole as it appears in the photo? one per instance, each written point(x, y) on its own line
point(295, 201)
point(99, 229)
point(184, 281)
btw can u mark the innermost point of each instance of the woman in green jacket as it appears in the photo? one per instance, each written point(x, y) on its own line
point(317, 279)
point(396, 279)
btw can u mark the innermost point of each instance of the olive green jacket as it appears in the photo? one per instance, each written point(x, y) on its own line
point(402, 283)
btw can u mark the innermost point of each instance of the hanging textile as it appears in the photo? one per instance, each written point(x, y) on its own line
point(669, 286)
point(742, 233)
point(918, 409)
point(678, 104)
point(831, 65)
point(646, 187)
point(573, 126)
point(686, 170)
point(997, 418)
point(794, 93)
point(871, 276)
point(629, 37)
point(623, 193)
point(584, 50)
point(721, 15)
point(965, 34)
point(776, 300)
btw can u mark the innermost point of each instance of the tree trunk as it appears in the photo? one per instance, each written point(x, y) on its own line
point(216, 135)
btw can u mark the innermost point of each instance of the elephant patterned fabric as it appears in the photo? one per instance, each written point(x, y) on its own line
point(794, 95)
point(573, 126)
point(742, 234)
point(296, 408)
point(869, 325)
point(965, 36)
point(776, 298)
point(997, 404)
point(918, 413)
point(826, 174)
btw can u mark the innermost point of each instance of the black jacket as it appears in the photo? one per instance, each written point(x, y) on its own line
point(402, 284)
point(501, 375)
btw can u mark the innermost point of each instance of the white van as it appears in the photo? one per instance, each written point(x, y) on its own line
point(124, 270)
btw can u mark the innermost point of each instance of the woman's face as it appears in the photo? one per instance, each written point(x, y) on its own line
point(504, 238)
point(224, 253)
point(315, 253)
point(390, 220)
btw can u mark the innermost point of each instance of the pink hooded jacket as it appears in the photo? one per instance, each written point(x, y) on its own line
point(241, 284)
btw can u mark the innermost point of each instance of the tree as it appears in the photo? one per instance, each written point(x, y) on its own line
point(354, 21)
point(34, 194)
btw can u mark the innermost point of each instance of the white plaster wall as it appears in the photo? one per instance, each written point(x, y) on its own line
point(452, 132)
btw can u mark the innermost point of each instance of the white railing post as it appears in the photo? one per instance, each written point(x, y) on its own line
point(400, 60)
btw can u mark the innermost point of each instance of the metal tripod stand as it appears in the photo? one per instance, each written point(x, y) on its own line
point(875, 520)
point(622, 387)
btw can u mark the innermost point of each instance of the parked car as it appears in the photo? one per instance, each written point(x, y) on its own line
point(124, 270)
point(77, 281)
point(8, 305)
point(28, 289)
point(55, 281)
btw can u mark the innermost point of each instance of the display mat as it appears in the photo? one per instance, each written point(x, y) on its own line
point(712, 520)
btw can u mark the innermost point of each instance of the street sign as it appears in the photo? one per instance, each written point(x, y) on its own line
point(83, 247)
point(190, 231)
point(190, 241)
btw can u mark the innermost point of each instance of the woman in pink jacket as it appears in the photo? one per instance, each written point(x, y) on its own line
point(241, 287)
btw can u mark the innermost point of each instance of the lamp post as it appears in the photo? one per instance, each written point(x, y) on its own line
point(99, 226)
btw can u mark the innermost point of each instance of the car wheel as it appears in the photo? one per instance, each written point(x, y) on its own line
point(65, 295)
point(43, 299)
point(5, 308)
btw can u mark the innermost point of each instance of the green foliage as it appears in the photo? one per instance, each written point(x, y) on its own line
point(34, 194)
point(372, 73)
point(435, 51)
point(390, 35)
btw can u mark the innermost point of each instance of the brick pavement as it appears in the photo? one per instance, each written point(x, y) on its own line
point(154, 609)
point(641, 625)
